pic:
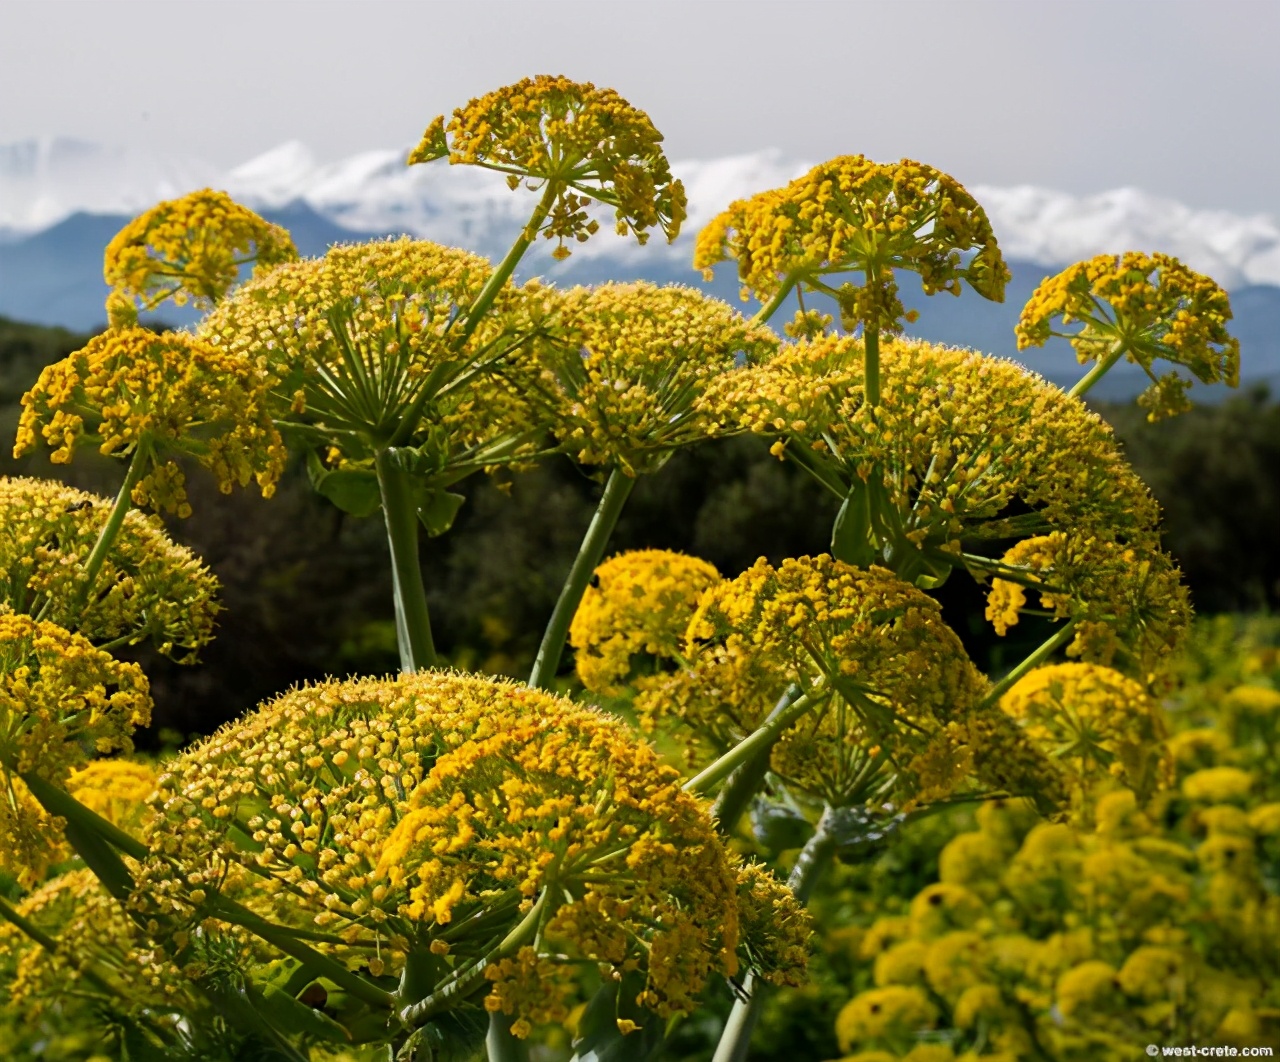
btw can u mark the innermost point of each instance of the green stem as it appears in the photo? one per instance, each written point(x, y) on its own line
point(871, 364)
point(62, 804)
point(744, 783)
point(500, 1044)
point(468, 980)
point(115, 519)
point(1059, 638)
point(761, 738)
point(413, 621)
point(616, 491)
point(775, 304)
point(812, 862)
point(1096, 373)
point(34, 932)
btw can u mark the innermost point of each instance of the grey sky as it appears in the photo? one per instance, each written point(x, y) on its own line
point(1177, 98)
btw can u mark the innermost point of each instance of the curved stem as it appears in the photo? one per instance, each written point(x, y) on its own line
point(812, 862)
point(413, 621)
point(775, 304)
point(761, 738)
point(745, 782)
point(115, 519)
point(1096, 373)
point(616, 491)
point(1037, 657)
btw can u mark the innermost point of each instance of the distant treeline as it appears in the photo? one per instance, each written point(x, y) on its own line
point(307, 592)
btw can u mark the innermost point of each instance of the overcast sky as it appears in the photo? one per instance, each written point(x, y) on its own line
point(1177, 98)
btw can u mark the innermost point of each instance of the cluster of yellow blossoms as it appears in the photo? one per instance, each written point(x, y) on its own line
point(190, 249)
point(60, 701)
point(363, 343)
point(1146, 922)
point(148, 587)
point(1145, 308)
point(852, 215)
point(432, 815)
point(1130, 606)
point(571, 137)
point(623, 372)
point(170, 392)
point(638, 603)
point(957, 441)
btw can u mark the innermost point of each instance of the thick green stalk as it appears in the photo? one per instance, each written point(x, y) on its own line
point(812, 862)
point(616, 491)
point(115, 519)
point(1096, 373)
point(1037, 657)
point(500, 1044)
point(745, 782)
point(743, 752)
point(871, 364)
point(413, 621)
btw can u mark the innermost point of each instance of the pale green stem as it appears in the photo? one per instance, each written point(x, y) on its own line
point(500, 1044)
point(775, 304)
point(616, 491)
point(1059, 638)
point(115, 519)
point(746, 780)
point(761, 738)
point(1096, 373)
point(469, 980)
point(413, 621)
point(871, 364)
point(810, 865)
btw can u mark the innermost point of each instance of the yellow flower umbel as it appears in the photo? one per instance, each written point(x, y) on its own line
point(897, 695)
point(638, 603)
point(1144, 308)
point(131, 390)
point(1130, 606)
point(957, 441)
point(148, 588)
point(360, 349)
point(61, 700)
point(852, 215)
point(576, 143)
point(1095, 722)
point(389, 812)
point(625, 368)
point(190, 249)
point(582, 831)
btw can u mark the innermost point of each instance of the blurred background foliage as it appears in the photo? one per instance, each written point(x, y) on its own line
point(306, 588)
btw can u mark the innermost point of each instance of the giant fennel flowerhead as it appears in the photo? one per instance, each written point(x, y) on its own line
point(149, 587)
point(170, 395)
point(437, 813)
point(639, 604)
point(1095, 723)
point(361, 346)
point(61, 701)
point(1130, 606)
point(189, 250)
point(897, 699)
point(1144, 308)
point(576, 143)
point(854, 216)
point(961, 448)
point(625, 366)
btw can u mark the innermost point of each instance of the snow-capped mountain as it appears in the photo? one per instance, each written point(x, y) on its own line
point(43, 182)
point(61, 201)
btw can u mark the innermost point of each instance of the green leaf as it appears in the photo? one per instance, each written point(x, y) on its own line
point(600, 1040)
point(437, 509)
point(353, 490)
point(851, 539)
point(778, 827)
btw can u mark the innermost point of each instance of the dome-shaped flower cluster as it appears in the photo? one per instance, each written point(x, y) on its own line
point(574, 137)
